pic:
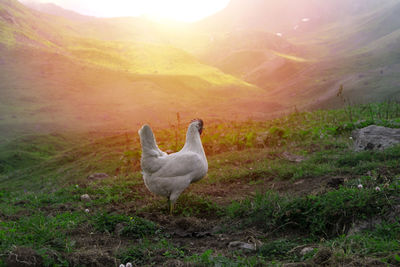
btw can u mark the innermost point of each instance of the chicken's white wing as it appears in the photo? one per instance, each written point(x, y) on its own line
point(182, 164)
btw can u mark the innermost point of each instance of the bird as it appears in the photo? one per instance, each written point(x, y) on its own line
point(168, 175)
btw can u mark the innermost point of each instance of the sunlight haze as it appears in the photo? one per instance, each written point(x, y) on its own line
point(178, 10)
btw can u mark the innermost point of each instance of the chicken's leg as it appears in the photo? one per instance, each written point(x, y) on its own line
point(170, 206)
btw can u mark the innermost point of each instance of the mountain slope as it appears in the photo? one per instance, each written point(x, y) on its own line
point(55, 75)
point(349, 43)
point(258, 57)
point(53, 9)
point(283, 16)
point(22, 26)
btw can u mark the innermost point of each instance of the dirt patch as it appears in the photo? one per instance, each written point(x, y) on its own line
point(94, 249)
point(22, 256)
point(92, 257)
point(15, 217)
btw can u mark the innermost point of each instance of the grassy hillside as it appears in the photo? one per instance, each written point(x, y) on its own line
point(45, 92)
point(74, 92)
point(363, 57)
point(56, 77)
point(275, 16)
point(354, 45)
point(279, 185)
point(258, 57)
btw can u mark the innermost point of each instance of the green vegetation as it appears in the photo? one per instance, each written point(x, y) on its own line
point(272, 176)
point(278, 185)
point(321, 216)
point(134, 227)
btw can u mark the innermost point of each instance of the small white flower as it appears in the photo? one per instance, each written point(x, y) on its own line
point(377, 188)
point(122, 265)
point(351, 138)
point(360, 186)
point(87, 210)
point(129, 264)
point(77, 186)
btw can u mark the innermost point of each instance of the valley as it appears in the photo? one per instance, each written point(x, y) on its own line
point(280, 89)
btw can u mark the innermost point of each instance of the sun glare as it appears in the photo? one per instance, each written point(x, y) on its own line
point(184, 10)
point(177, 10)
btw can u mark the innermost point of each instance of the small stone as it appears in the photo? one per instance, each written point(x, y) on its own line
point(306, 250)
point(85, 198)
point(242, 245)
point(97, 176)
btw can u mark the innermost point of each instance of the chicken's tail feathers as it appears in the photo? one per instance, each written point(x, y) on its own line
point(148, 140)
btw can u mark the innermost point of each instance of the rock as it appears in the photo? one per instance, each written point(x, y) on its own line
point(375, 138)
point(306, 250)
point(323, 256)
point(85, 198)
point(242, 245)
point(97, 176)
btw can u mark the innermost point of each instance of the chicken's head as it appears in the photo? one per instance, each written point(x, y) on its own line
point(199, 124)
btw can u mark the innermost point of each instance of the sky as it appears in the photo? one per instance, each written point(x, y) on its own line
point(179, 10)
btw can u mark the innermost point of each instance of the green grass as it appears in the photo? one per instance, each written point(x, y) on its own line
point(210, 258)
point(132, 227)
point(40, 203)
point(320, 216)
point(189, 205)
point(383, 239)
point(144, 252)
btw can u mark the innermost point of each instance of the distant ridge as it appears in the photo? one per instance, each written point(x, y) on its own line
point(53, 9)
point(284, 15)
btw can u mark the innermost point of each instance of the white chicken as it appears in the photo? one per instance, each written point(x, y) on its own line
point(169, 175)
